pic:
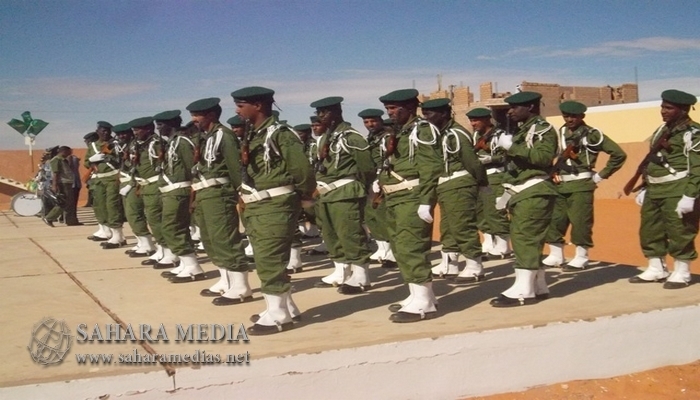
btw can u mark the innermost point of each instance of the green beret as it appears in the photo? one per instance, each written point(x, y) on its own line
point(104, 124)
point(435, 103)
point(523, 98)
point(388, 121)
point(479, 113)
point(314, 118)
point(677, 97)
point(399, 96)
point(139, 122)
point(121, 128)
point(203, 104)
point(572, 107)
point(253, 93)
point(235, 121)
point(327, 102)
point(167, 115)
point(91, 136)
point(371, 113)
point(302, 127)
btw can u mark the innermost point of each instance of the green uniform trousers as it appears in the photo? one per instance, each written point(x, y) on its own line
point(458, 220)
point(217, 219)
point(375, 219)
point(529, 221)
point(410, 241)
point(135, 214)
point(107, 202)
point(345, 238)
point(153, 208)
point(489, 219)
point(176, 221)
point(575, 209)
point(271, 234)
point(98, 188)
point(663, 232)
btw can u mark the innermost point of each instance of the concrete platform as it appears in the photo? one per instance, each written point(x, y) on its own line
point(594, 325)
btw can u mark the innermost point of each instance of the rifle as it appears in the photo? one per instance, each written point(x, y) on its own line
point(660, 144)
point(570, 153)
point(323, 154)
point(484, 142)
point(390, 143)
point(106, 148)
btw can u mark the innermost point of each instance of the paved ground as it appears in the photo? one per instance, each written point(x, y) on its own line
point(58, 273)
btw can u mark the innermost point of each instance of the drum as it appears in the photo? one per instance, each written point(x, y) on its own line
point(26, 204)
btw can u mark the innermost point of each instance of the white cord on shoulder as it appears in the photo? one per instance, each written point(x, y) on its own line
point(414, 140)
point(212, 146)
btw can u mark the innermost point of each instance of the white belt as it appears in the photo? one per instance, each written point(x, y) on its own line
point(209, 183)
point(124, 178)
point(173, 186)
point(258, 195)
point(510, 190)
point(454, 175)
point(105, 174)
point(576, 177)
point(144, 182)
point(401, 186)
point(667, 178)
point(494, 170)
point(324, 188)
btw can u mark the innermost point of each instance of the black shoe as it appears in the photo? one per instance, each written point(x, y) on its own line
point(186, 279)
point(97, 238)
point(389, 264)
point(542, 296)
point(504, 301)
point(395, 307)
point(348, 289)
point(47, 222)
point(256, 317)
point(75, 224)
point(137, 254)
point(227, 301)
point(167, 274)
point(209, 293)
point(637, 279)
point(467, 279)
point(405, 317)
point(569, 268)
point(260, 330)
point(314, 252)
point(675, 285)
point(158, 265)
point(491, 257)
point(150, 261)
point(291, 271)
point(108, 245)
point(324, 285)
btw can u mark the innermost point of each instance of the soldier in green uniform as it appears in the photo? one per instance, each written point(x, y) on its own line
point(277, 177)
point(670, 212)
point(317, 131)
point(493, 223)
point(343, 171)
point(413, 165)
point(375, 211)
point(307, 221)
point(529, 196)
point(127, 147)
point(102, 166)
point(459, 184)
point(215, 179)
point(62, 184)
point(575, 179)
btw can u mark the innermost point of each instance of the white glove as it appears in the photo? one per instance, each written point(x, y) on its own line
point(375, 186)
point(639, 199)
point(505, 141)
point(485, 159)
point(97, 157)
point(125, 190)
point(597, 178)
point(685, 205)
point(424, 213)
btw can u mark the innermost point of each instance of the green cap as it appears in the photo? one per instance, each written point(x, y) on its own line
point(371, 113)
point(388, 121)
point(302, 127)
point(139, 122)
point(677, 97)
point(104, 124)
point(253, 93)
point(573, 107)
point(435, 103)
point(327, 102)
point(314, 118)
point(167, 115)
point(121, 128)
point(479, 113)
point(91, 136)
point(235, 121)
point(523, 98)
point(399, 96)
point(203, 104)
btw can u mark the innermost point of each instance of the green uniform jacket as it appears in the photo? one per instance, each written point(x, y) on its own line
point(148, 164)
point(220, 157)
point(179, 161)
point(684, 139)
point(531, 155)
point(497, 154)
point(458, 155)
point(110, 163)
point(349, 156)
point(286, 165)
point(587, 142)
point(59, 166)
point(417, 155)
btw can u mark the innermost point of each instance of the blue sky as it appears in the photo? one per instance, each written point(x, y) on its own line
point(72, 63)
